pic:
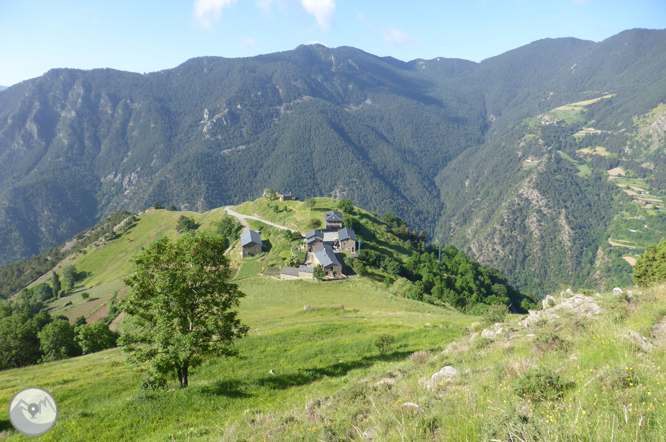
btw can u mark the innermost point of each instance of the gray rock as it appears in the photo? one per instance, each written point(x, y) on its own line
point(617, 291)
point(446, 374)
point(388, 381)
point(368, 434)
point(640, 341)
point(411, 406)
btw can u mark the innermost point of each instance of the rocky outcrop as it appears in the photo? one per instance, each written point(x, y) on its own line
point(577, 304)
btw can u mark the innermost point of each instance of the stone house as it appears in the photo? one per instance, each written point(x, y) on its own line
point(323, 255)
point(313, 237)
point(347, 240)
point(251, 243)
point(333, 220)
point(286, 197)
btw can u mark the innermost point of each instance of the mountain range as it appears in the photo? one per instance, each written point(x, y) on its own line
point(507, 159)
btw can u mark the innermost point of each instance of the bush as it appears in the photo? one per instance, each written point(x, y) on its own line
point(85, 296)
point(319, 272)
point(650, 267)
point(495, 313)
point(384, 343)
point(420, 357)
point(539, 384)
point(186, 224)
point(314, 224)
point(346, 206)
point(359, 267)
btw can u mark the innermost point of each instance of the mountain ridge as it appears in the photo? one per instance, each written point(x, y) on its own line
point(390, 135)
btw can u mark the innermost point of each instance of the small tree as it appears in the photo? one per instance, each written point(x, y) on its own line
point(95, 337)
point(315, 223)
point(85, 296)
point(346, 206)
point(43, 291)
point(186, 224)
point(171, 208)
point(319, 272)
point(69, 275)
point(180, 303)
point(270, 194)
point(310, 203)
point(157, 206)
point(56, 341)
point(55, 284)
point(81, 320)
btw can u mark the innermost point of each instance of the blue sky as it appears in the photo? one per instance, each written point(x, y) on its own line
point(151, 35)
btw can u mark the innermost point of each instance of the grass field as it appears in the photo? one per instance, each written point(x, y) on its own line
point(568, 378)
point(314, 353)
point(596, 151)
point(573, 113)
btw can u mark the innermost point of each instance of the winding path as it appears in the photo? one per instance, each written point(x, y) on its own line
point(243, 220)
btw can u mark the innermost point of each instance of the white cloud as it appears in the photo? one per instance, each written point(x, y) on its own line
point(248, 43)
point(206, 12)
point(396, 36)
point(323, 11)
point(265, 5)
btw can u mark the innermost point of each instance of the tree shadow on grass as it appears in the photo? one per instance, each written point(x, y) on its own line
point(5, 425)
point(230, 389)
point(307, 376)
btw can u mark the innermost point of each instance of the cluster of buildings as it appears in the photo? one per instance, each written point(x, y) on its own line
point(320, 245)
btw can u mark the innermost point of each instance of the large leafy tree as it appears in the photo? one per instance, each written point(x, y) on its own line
point(56, 341)
point(181, 304)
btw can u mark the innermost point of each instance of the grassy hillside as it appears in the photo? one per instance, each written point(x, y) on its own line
point(313, 352)
point(569, 377)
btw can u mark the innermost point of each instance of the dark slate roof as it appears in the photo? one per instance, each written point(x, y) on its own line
point(305, 269)
point(345, 234)
point(325, 256)
point(291, 271)
point(312, 236)
point(249, 237)
point(333, 216)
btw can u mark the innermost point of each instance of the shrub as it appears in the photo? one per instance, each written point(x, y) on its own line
point(384, 343)
point(359, 267)
point(314, 223)
point(650, 267)
point(345, 206)
point(319, 272)
point(85, 296)
point(495, 313)
point(186, 224)
point(420, 357)
point(539, 384)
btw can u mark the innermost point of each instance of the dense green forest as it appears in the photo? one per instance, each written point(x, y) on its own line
point(461, 150)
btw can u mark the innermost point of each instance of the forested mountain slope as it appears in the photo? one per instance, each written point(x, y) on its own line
point(442, 143)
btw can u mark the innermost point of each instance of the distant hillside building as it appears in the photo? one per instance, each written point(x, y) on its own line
point(251, 243)
point(313, 237)
point(322, 254)
point(286, 197)
point(347, 240)
point(333, 220)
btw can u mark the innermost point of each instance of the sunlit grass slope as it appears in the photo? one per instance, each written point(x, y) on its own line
point(314, 352)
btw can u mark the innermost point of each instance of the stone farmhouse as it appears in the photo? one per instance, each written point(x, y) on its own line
point(322, 254)
point(321, 247)
point(251, 243)
point(333, 220)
